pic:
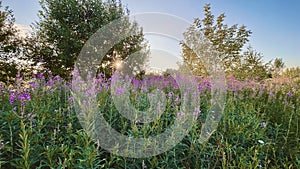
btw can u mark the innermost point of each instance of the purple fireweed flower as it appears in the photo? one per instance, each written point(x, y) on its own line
point(256, 78)
point(71, 99)
point(24, 96)
point(120, 91)
point(261, 89)
point(170, 95)
point(2, 89)
point(50, 82)
point(180, 114)
point(12, 98)
point(206, 84)
point(271, 93)
point(263, 124)
point(196, 113)
point(19, 76)
point(290, 94)
point(106, 87)
point(40, 76)
point(201, 88)
point(101, 75)
point(57, 78)
point(91, 92)
point(136, 83)
point(177, 100)
point(34, 85)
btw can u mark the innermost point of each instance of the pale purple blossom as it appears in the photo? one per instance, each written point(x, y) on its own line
point(197, 111)
point(12, 98)
point(180, 114)
point(170, 95)
point(34, 85)
point(290, 94)
point(177, 100)
point(24, 96)
point(71, 99)
point(120, 91)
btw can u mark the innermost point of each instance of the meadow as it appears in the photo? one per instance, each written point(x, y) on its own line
point(260, 126)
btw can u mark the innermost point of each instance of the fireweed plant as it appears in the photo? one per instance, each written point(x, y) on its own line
point(40, 129)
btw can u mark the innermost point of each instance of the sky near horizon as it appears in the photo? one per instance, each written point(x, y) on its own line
point(275, 24)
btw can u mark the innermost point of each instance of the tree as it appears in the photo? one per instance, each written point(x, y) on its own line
point(65, 26)
point(278, 65)
point(10, 45)
point(252, 66)
point(229, 41)
point(293, 73)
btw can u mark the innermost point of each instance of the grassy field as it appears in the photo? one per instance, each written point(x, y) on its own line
point(259, 128)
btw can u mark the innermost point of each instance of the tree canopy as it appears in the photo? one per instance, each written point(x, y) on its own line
point(10, 44)
point(209, 35)
point(66, 25)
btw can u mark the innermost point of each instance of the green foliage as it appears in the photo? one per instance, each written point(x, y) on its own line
point(228, 40)
point(7, 71)
point(8, 39)
point(10, 45)
point(277, 67)
point(65, 26)
point(209, 39)
point(293, 73)
point(251, 66)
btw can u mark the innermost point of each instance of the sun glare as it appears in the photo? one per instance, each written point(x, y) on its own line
point(118, 64)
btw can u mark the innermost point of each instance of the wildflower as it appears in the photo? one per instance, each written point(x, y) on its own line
point(271, 93)
point(33, 85)
point(40, 76)
point(1, 145)
point(261, 142)
point(50, 82)
point(136, 83)
point(197, 111)
point(19, 76)
point(120, 91)
point(71, 99)
point(201, 88)
point(12, 98)
point(170, 95)
point(57, 78)
point(24, 96)
point(206, 84)
point(180, 114)
point(2, 89)
point(263, 124)
point(89, 92)
point(106, 87)
point(290, 94)
point(177, 100)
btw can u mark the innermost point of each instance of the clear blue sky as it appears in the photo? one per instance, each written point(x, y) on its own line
point(275, 23)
